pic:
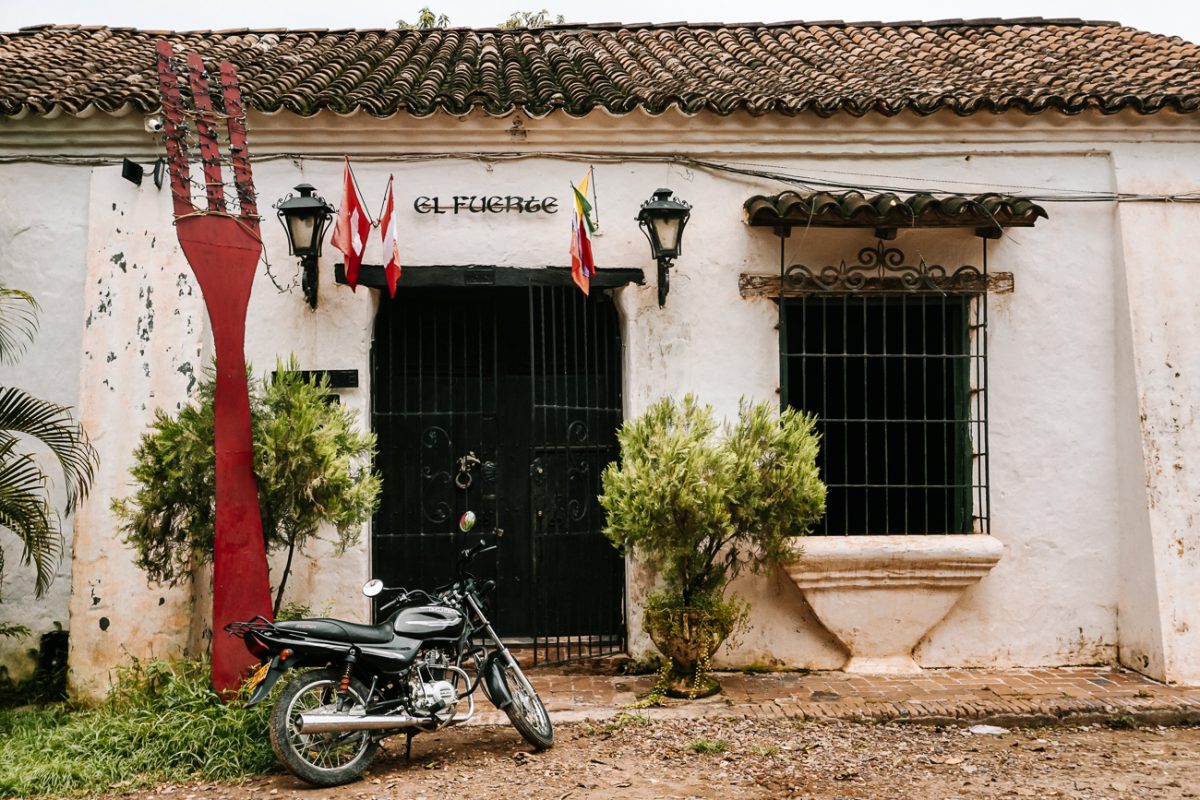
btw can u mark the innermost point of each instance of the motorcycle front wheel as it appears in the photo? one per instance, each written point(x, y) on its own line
point(322, 759)
point(526, 712)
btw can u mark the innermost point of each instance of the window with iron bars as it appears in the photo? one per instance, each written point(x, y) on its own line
point(897, 377)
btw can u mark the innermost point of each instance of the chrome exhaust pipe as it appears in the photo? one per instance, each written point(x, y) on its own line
point(344, 723)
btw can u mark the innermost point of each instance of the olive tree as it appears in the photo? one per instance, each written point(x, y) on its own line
point(700, 503)
point(428, 20)
point(531, 20)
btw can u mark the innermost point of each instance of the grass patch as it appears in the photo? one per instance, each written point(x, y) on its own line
point(765, 668)
point(765, 750)
point(757, 668)
point(1121, 722)
point(619, 723)
point(708, 746)
point(162, 723)
point(645, 666)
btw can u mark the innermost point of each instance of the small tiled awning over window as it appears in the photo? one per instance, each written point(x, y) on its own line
point(988, 214)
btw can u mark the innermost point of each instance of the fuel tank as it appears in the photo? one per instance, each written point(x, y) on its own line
point(428, 622)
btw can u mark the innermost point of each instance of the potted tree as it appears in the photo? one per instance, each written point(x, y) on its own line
point(699, 503)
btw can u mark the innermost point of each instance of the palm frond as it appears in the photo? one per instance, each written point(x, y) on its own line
point(53, 425)
point(25, 510)
point(18, 322)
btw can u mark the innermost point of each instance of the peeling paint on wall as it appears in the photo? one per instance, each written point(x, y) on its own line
point(119, 396)
point(186, 369)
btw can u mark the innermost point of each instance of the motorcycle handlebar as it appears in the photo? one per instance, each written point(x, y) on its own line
point(469, 553)
point(394, 601)
point(466, 556)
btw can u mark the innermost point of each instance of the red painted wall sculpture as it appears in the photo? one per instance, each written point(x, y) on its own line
point(223, 250)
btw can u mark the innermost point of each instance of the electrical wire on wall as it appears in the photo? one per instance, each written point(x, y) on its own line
point(865, 182)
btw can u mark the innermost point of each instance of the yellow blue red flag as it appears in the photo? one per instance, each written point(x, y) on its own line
point(583, 266)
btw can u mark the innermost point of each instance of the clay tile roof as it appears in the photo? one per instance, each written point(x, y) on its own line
point(855, 210)
point(1027, 65)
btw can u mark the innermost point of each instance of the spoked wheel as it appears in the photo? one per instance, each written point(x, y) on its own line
point(322, 759)
point(526, 712)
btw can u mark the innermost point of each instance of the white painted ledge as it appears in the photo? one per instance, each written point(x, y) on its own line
point(880, 595)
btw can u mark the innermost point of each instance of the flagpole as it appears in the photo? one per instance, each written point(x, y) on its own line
point(595, 200)
point(383, 205)
point(361, 196)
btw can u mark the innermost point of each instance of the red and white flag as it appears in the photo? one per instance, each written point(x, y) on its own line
point(352, 227)
point(391, 241)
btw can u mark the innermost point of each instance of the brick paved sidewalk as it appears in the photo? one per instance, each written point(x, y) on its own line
point(1074, 695)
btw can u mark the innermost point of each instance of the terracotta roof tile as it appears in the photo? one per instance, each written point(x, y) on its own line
point(1027, 65)
point(855, 210)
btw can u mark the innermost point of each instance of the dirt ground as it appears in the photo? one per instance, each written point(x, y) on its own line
point(637, 758)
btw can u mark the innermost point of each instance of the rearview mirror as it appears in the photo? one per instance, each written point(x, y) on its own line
point(372, 587)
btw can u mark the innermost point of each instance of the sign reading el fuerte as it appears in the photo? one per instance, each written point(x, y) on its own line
point(486, 204)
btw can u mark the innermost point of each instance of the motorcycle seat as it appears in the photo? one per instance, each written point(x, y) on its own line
point(337, 630)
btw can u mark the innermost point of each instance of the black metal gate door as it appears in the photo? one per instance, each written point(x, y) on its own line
point(505, 401)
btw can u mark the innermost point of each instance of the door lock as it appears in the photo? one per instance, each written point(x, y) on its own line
point(466, 464)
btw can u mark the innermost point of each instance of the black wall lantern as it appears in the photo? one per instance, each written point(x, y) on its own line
point(305, 219)
point(662, 219)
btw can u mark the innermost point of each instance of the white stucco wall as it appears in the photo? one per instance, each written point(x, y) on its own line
point(43, 230)
point(145, 343)
point(1159, 621)
point(1083, 545)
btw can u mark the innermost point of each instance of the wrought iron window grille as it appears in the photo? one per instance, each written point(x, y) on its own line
point(892, 358)
point(883, 269)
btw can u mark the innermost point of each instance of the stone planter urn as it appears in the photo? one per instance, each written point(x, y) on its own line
point(688, 637)
point(880, 595)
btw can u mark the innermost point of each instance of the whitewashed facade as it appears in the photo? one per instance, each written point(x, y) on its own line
point(1094, 357)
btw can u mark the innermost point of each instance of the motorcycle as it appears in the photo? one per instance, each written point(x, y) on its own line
point(417, 671)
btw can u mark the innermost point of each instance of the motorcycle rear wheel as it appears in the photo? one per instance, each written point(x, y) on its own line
point(526, 712)
point(322, 759)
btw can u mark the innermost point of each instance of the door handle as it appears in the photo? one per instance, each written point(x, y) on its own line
point(466, 464)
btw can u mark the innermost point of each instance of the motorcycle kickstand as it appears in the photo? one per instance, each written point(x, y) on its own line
point(408, 748)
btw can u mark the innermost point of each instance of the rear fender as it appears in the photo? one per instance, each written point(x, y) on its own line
point(312, 657)
point(493, 681)
point(274, 673)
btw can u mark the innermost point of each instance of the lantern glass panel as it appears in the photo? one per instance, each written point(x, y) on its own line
point(302, 229)
point(666, 230)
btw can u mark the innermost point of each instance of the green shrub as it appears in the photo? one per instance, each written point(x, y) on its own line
point(311, 462)
point(162, 722)
point(1121, 722)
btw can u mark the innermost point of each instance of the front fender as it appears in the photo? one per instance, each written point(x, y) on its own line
point(493, 682)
